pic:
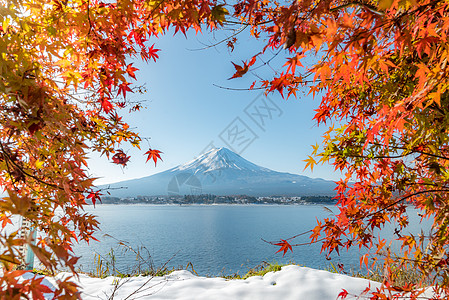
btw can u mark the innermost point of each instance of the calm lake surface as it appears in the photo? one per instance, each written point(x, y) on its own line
point(216, 239)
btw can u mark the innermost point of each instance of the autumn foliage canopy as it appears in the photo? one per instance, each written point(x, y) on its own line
point(65, 76)
point(380, 73)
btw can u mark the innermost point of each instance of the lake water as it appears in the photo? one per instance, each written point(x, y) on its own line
point(216, 239)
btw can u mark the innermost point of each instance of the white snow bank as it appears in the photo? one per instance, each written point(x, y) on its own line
point(292, 282)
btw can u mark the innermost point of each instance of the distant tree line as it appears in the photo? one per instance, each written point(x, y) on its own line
point(216, 199)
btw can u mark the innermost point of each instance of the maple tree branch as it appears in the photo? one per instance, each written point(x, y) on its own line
point(415, 151)
point(256, 88)
point(7, 165)
point(28, 174)
point(296, 245)
point(22, 170)
point(293, 237)
point(398, 201)
point(309, 243)
point(300, 234)
point(113, 188)
point(432, 155)
point(88, 17)
point(238, 89)
point(422, 184)
point(267, 62)
point(222, 41)
point(378, 157)
point(248, 24)
point(365, 5)
point(154, 9)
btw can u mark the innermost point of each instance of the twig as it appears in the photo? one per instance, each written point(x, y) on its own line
point(222, 41)
point(151, 277)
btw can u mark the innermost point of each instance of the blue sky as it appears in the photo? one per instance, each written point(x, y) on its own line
point(185, 112)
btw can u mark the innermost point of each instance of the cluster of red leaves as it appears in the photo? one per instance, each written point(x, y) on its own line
point(382, 68)
point(48, 127)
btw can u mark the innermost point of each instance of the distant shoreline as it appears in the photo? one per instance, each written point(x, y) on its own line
point(213, 204)
point(209, 199)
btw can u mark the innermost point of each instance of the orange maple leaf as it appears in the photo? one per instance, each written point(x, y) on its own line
point(241, 70)
point(130, 70)
point(106, 105)
point(285, 246)
point(154, 154)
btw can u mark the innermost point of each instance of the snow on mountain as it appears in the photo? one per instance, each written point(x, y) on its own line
point(218, 159)
point(223, 172)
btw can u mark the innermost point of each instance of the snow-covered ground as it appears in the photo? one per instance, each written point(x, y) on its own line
point(292, 282)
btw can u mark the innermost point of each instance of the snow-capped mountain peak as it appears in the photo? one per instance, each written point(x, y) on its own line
point(223, 172)
point(219, 159)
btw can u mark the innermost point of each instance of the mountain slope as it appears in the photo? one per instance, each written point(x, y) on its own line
point(223, 172)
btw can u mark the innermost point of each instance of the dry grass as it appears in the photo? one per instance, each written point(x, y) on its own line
point(259, 270)
point(400, 275)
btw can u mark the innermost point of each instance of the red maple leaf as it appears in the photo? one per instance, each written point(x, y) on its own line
point(130, 70)
point(343, 294)
point(151, 53)
point(241, 70)
point(154, 154)
point(123, 88)
point(136, 107)
point(120, 158)
point(38, 289)
point(230, 45)
point(285, 246)
point(138, 37)
point(106, 105)
point(94, 196)
point(121, 104)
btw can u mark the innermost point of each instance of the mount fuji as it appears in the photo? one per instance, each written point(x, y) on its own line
point(223, 172)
